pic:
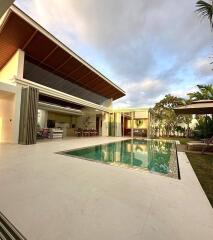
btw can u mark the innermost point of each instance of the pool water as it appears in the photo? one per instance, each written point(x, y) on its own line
point(153, 155)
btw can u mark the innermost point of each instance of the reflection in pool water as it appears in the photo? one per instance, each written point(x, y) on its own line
point(156, 156)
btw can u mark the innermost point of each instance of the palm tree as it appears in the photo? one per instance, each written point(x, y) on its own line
point(204, 92)
point(205, 10)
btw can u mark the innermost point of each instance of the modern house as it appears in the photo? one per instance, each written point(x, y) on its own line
point(43, 84)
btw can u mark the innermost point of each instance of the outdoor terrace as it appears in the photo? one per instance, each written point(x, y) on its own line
point(51, 196)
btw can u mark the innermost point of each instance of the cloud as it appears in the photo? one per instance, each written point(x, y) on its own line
point(149, 48)
point(143, 93)
point(203, 67)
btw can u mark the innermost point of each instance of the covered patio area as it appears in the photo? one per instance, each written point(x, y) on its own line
point(61, 119)
point(202, 107)
point(196, 107)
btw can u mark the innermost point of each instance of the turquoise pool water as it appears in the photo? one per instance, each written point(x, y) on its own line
point(153, 155)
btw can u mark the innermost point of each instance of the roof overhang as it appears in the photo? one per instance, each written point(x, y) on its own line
point(197, 107)
point(19, 31)
point(61, 95)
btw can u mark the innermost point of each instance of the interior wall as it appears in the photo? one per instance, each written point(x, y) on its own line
point(6, 117)
point(61, 118)
point(64, 121)
point(87, 121)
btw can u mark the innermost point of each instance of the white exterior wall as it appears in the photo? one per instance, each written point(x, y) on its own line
point(13, 68)
point(10, 108)
point(6, 115)
point(10, 100)
point(16, 114)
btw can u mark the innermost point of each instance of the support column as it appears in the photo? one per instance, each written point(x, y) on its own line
point(123, 125)
point(105, 124)
point(132, 124)
point(118, 125)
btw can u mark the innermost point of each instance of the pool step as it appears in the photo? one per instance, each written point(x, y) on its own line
point(8, 230)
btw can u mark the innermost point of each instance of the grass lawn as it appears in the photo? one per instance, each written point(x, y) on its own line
point(203, 167)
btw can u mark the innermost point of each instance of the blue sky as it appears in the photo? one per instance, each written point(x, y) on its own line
point(149, 48)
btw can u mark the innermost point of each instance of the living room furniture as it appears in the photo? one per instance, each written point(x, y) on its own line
point(55, 133)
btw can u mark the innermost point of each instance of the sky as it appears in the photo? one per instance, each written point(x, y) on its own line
point(149, 48)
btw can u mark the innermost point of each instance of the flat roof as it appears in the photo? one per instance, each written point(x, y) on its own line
point(196, 107)
point(19, 31)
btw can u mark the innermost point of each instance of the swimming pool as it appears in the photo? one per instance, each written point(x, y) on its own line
point(153, 155)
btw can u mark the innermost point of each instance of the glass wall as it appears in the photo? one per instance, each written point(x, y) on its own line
point(129, 123)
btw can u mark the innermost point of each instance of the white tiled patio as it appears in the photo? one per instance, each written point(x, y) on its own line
point(51, 196)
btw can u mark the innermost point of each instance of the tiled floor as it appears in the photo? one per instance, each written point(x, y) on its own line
point(51, 196)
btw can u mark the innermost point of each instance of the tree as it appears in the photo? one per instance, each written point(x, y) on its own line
point(204, 128)
point(205, 10)
point(165, 119)
point(187, 119)
point(204, 92)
